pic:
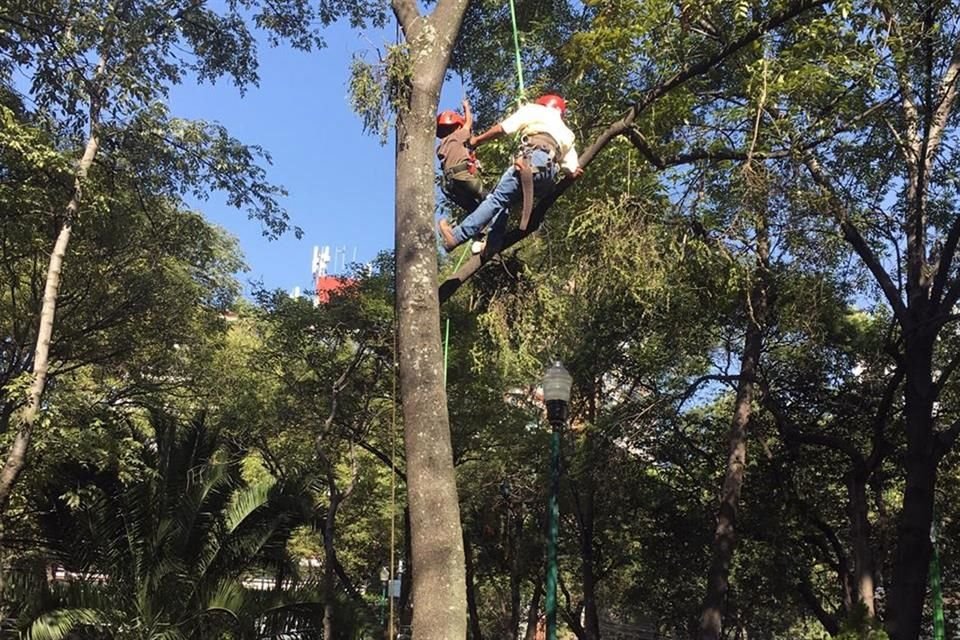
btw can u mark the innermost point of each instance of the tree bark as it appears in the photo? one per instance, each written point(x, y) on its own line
point(863, 573)
point(724, 540)
point(533, 612)
point(912, 556)
point(17, 456)
point(514, 539)
point(585, 496)
point(439, 577)
point(475, 632)
point(330, 562)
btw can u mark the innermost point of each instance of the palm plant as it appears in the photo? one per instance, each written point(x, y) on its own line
point(165, 556)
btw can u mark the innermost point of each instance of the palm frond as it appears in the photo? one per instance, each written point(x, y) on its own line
point(58, 624)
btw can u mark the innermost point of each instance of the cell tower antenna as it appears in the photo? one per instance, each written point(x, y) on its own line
point(321, 258)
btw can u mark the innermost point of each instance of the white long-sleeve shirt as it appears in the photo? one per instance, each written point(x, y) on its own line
point(535, 118)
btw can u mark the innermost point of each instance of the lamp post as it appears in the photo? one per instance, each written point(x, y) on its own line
point(556, 395)
point(385, 580)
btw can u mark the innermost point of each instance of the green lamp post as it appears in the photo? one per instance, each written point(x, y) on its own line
point(556, 395)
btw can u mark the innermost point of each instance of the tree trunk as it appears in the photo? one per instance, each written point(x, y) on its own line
point(329, 564)
point(439, 594)
point(514, 538)
point(724, 540)
point(863, 576)
point(533, 612)
point(439, 577)
point(591, 623)
point(475, 631)
point(586, 516)
point(17, 456)
point(912, 556)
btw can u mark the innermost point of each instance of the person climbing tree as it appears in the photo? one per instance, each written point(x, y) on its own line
point(546, 147)
point(460, 180)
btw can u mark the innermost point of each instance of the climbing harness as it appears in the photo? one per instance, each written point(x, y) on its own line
point(529, 144)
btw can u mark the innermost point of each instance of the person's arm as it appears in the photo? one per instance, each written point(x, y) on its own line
point(571, 164)
point(467, 117)
point(492, 133)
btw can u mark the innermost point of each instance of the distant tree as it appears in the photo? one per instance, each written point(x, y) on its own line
point(98, 73)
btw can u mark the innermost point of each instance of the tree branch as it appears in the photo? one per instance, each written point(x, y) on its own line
point(947, 438)
point(944, 262)
point(880, 419)
point(474, 263)
point(406, 13)
point(947, 95)
point(793, 433)
point(859, 244)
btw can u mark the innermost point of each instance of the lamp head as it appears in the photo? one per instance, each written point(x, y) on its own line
point(557, 383)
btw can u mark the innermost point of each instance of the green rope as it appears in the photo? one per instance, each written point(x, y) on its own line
point(936, 590)
point(521, 93)
point(446, 337)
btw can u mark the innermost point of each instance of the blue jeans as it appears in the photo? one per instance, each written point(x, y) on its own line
point(496, 207)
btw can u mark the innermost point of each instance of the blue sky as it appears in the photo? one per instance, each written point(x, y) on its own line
point(340, 180)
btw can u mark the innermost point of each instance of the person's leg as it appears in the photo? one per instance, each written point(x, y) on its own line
point(467, 192)
point(544, 175)
point(496, 205)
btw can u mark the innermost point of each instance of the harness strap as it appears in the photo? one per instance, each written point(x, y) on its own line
point(529, 144)
point(525, 169)
point(466, 165)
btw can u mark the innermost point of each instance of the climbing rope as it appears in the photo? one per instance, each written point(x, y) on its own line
point(521, 92)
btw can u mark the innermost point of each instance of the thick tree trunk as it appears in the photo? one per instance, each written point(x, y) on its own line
point(439, 592)
point(912, 556)
point(724, 540)
point(17, 456)
point(439, 577)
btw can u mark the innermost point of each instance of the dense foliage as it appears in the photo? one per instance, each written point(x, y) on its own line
point(754, 286)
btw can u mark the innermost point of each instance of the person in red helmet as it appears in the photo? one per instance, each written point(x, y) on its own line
point(547, 147)
point(460, 179)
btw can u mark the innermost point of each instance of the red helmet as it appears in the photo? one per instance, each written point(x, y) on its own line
point(448, 121)
point(554, 101)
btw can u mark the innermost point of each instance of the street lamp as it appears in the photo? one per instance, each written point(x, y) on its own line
point(384, 579)
point(556, 394)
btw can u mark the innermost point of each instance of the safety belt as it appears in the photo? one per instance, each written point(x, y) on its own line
point(543, 142)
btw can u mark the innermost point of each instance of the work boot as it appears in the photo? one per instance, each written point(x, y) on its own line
point(446, 235)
